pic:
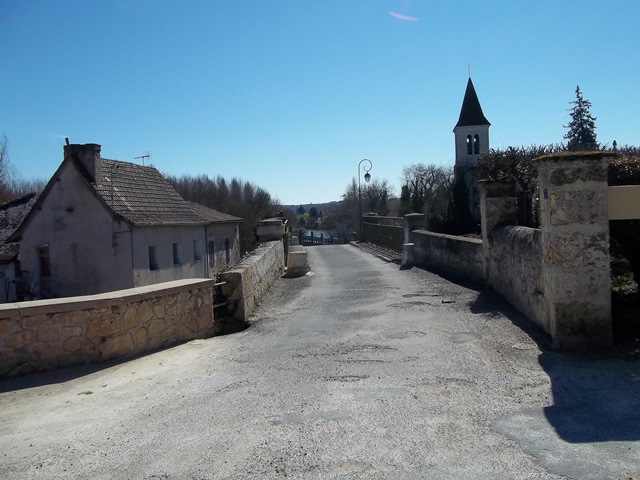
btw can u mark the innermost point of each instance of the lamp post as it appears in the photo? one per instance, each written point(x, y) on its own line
point(367, 177)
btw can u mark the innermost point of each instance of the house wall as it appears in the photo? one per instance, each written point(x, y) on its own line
point(88, 251)
point(44, 334)
point(219, 234)
point(163, 238)
point(7, 282)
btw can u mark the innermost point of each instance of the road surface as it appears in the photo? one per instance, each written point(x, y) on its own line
point(358, 370)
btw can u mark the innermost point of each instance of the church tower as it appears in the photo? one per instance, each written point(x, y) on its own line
point(472, 139)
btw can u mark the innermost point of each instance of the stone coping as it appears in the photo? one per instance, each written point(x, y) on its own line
point(576, 155)
point(477, 241)
point(57, 305)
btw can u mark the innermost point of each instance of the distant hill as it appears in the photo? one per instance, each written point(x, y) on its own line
point(321, 207)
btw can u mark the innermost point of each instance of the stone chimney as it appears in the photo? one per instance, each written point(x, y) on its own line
point(87, 157)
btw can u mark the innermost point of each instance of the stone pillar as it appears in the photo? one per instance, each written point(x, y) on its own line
point(498, 207)
point(270, 229)
point(575, 246)
point(407, 247)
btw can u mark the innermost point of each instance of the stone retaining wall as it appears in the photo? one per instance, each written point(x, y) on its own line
point(45, 334)
point(247, 283)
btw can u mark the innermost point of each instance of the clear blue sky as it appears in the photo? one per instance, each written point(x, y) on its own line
point(292, 94)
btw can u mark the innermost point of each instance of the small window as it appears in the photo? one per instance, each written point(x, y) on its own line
point(227, 250)
point(212, 253)
point(153, 262)
point(44, 262)
point(469, 145)
point(476, 144)
point(197, 250)
point(176, 254)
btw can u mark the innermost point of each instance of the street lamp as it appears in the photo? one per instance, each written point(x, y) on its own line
point(367, 177)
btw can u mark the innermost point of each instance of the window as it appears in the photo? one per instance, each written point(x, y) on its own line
point(212, 253)
point(476, 144)
point(44, 262)
point(153, 262)
point(176, 254)
point(469, 145)
point(227, 250)
point(197, 250)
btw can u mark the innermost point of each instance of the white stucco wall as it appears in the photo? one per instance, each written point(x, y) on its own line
point(80, 236)
point(219, 233)
point(163, 238)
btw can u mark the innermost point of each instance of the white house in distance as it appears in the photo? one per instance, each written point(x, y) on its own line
point(102, 225)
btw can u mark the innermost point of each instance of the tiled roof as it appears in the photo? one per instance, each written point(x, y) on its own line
point(11, 215)
point(142, 196)
point(211, 215)
point(471, 111)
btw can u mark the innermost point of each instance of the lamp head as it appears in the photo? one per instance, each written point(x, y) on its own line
point(367, 177)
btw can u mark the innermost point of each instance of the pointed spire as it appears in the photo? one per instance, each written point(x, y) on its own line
point(471, 111)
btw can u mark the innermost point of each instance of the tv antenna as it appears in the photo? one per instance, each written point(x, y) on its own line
point(147, 156)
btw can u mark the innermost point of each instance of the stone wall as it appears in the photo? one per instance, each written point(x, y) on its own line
point(247, 283)
point(52, 333)
point(459, 255)
point(514, 269)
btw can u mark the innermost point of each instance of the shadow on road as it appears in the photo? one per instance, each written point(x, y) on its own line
point(596, 398)
point(596, 395)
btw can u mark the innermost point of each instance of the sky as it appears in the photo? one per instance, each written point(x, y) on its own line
point(292, 94)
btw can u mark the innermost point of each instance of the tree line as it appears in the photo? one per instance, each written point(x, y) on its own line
point(235, 197)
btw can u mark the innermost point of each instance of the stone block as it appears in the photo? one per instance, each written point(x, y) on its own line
point(72, 344)
point(142, 339)
point(79, 317)
point(580, 326)
point(297, 263)
point(578, 207)
point(117, 346)
point(158, 310)
point(155, 327)
point(48, 333)
point(6, 326)
point(145, 311)
point(130, 319)
point(15, 340)
point(205, 319)
point(71, 332)
point(47, 355)
point(104, 325)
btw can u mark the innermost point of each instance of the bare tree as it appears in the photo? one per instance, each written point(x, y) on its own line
point(237, 197)
point(427, 189)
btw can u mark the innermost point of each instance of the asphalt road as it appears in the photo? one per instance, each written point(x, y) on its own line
point(358, 370)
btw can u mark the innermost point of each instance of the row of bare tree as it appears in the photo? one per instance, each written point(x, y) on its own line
point(235, 197)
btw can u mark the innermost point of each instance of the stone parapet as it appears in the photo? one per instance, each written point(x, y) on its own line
point(247, 283)
point(45, 334)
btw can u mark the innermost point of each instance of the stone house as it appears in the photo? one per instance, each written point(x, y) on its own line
point(12, 213)
point(102, 225)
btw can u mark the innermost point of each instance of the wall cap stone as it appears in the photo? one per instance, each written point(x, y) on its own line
point(65, 304)
point(577, 155)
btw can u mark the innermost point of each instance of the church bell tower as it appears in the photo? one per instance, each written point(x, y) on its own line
point(472, 139)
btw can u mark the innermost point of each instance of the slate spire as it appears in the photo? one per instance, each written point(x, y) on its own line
point(471, 111)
